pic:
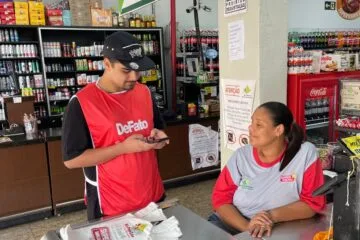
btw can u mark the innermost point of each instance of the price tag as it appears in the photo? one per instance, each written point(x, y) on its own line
point(17, 100)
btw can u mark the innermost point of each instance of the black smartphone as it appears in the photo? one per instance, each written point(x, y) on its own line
point(152, 140)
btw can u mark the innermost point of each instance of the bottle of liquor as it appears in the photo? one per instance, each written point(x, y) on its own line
point(121, 21)
point(132, 21)
point(143, 22)
point(115, 22)
point(150, 45)
point(145, 44)
point(148, 21)
point(138, 20)
point(156, 46)
point(153, 21)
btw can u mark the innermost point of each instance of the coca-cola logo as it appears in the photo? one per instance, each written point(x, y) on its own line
point(317, 92)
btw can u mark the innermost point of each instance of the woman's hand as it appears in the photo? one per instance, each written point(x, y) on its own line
point(258, 231)
point(260, 224)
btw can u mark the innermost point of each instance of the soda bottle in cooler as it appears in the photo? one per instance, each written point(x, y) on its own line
point(188, 41)
point(203, 37)
point(320, 110)
point(326, 107)
point(312, 110)
point(181, 43)
point(307, 112)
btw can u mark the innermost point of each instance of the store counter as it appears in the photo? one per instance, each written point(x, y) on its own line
point(299, 230)
point(34, 182)
point(192, 226)
point(24, 180)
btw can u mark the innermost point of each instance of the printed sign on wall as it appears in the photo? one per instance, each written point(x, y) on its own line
point(237, 97)
point(233, 7)
point(348, 9)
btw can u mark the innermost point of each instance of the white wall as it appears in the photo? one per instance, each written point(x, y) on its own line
point(265, 61)
point(186, 20)
point(208, 20)
point(310, 14)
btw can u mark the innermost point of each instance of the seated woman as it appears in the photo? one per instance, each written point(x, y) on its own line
point(271, 180)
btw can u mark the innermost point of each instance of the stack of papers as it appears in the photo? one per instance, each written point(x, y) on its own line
point(149, 223)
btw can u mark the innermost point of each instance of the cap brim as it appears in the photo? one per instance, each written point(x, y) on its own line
point(140, 65)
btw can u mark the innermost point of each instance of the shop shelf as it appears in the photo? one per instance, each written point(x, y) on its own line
point(27, 74)
point(20, 58)
point(20, 42)
point(317, 125)
point(180, 54)
point(8, 90)
point(85, 57)
point(61, 72)
point(55, 87)
point(335, 49)
point(186, 79)
point(60, 100)
point(342, 129)
point(89, 71)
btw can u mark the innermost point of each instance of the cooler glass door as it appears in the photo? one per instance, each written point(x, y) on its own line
point(320, 111)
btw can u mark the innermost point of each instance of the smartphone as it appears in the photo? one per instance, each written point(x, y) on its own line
point(152, 140)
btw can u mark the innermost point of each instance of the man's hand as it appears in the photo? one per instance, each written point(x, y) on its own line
point(260, 224)
point(158, 134)
point(136, 143)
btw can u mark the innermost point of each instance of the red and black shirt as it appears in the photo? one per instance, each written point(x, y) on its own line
point(95, 119)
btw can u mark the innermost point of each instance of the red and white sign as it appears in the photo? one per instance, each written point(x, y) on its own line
point(318, 92)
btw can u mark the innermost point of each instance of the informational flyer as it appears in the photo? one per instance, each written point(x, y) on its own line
point(203, 146)
point(237, 97)
point(236, 40)
point(233, 7)
point(350, 97)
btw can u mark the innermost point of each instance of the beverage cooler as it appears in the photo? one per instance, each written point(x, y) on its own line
point(314, 102)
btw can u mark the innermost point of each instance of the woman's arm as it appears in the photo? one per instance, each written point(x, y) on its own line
point(231, 216)
point(292, 211)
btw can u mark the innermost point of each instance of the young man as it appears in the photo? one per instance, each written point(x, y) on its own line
point(105, 132)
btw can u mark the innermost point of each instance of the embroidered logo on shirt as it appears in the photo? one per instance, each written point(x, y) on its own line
point(131, 126)
point(245, 184)
point(288, 178)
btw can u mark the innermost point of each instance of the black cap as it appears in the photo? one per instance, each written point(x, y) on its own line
point(125, 48)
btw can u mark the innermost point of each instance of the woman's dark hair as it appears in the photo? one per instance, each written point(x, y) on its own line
point(281, 114)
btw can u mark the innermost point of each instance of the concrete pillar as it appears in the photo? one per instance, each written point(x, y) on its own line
point(265, 52)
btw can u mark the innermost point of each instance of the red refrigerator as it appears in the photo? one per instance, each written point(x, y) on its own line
point(314, 102)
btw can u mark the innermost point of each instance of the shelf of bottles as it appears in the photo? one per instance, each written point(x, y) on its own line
point(70, 66)
point(133, 20)
point(20, 68)
point(188, 48)
point(188, 66)
point(325, 51)
point(316, 113)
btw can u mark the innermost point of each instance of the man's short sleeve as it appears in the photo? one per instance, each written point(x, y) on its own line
point(75, 132)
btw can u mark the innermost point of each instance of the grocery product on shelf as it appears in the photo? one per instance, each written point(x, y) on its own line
point(327, 51)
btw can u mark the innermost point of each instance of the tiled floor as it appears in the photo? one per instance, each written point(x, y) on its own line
point(195, 197)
